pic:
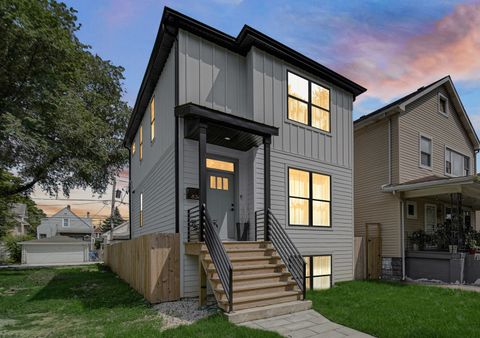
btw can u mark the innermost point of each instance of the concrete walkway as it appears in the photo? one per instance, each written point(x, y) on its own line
point(304, 324)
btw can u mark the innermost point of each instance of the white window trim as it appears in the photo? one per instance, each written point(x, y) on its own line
point(425, 216)
point(63, 223)
point(414, 216)
point(420, 135)
point(445, 161)
point(447, 111)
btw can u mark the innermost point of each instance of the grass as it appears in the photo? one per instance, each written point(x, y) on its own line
point(89, 301)
point(387, 309)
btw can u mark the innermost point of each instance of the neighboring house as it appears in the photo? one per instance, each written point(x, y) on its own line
point(20, 215)
point(66, 223)
point(415, 169)
point(120, 232)
point(55, 250)
point(240, 124)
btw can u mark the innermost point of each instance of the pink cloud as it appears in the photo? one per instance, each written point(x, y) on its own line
point(389, 67)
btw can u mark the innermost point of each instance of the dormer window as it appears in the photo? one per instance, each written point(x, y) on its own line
point(308, 102)
point(442, 105)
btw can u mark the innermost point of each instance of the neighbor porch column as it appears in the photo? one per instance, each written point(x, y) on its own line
point(266, 182)
point(202, 172)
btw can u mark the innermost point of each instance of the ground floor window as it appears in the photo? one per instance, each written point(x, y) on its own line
point(318, 272)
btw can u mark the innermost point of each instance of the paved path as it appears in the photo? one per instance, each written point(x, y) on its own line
point(305, 324)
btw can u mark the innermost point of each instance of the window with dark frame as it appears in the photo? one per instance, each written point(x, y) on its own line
point(425, 151)
point(308, 102)
point(443, 105)
point(318, 275)
point(309, 198)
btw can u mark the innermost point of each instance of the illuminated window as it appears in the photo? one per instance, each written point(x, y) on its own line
point(220, 165)
point(318, 272)
point(141, 209)
point(308, 102)
point(152, 119)
point(141, 143)
point(218, 182)
point(309, 198)
point(133, 148)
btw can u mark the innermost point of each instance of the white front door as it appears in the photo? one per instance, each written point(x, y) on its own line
point(430, 218)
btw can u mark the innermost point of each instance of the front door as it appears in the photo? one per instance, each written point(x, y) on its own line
point(221, 200)
point(430, 218)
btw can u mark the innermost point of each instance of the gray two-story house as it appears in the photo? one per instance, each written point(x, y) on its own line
point(416, 187)
point(244, 146)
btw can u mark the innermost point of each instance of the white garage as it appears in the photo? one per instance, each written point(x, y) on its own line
point(55, 250)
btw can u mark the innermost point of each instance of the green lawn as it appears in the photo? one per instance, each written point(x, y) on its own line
point(89, 302)
point(387, 309)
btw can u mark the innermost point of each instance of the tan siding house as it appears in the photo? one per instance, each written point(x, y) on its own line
point(415, 171)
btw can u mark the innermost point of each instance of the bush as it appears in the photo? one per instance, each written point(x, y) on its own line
point(13, 246)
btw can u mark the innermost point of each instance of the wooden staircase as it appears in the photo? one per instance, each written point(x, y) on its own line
point(260, 278)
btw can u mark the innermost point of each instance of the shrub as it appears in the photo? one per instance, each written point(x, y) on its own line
point(13, 246)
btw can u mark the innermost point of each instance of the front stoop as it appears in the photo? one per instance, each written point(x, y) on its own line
point(268, 311)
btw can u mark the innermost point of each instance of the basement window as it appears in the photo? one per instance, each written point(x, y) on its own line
point(318, 274)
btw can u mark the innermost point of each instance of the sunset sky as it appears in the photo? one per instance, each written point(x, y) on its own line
point(389, 47)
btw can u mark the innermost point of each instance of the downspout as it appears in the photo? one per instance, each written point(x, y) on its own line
point(177, 146)
point(129, 194)
point(390, 151)
point(402, 237)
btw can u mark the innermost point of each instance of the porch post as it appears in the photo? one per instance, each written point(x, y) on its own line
point(267, 140)
point(202, 173)
point(460, 220)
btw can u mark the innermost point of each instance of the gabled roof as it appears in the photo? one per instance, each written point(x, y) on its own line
point(401, 103)
point(72, 213)
point(172, 21)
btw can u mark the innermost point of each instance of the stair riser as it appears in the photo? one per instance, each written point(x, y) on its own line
point(263, 291)
point(249, 272)
point(264, 302)
point(268, 280)
point(249, 245)
point(248, 254)
point(262, 261)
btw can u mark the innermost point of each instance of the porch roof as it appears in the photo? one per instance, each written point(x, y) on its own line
point(468, 186)
point(225, 130)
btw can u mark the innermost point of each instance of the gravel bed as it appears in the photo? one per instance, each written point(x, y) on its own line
point(182, 312)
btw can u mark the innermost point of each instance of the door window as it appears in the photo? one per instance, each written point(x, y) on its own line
point(219, 182)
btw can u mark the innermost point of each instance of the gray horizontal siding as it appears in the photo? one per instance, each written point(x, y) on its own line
point(158, 189)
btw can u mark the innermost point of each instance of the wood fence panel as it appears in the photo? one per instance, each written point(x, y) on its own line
point(150, 264)
point(359, 258)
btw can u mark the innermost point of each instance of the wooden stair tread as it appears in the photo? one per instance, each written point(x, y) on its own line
point(257, 276)
point(234, 250)
point(246, 258)
point(258, 286)
point(252, 267)
point(246, 299)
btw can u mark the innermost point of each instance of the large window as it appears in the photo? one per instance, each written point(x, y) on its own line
point(425, 152)
point(152, 119)
point(308, 102)
point(456, 164)
point(318, 272)
point(309, 198)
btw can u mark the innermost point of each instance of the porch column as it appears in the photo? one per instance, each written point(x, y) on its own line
point(267, 140)
point(202, 173)
point(460, 219)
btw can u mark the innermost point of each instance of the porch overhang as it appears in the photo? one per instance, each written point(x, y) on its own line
point(224, 129)
point(468, 186)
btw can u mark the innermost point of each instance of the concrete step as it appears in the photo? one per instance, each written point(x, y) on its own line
point(268, 311)
point(240, 303)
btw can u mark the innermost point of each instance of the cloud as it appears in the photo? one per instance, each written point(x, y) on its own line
point(389, 65)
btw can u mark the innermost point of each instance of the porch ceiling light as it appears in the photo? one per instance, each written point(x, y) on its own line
point(227, 138)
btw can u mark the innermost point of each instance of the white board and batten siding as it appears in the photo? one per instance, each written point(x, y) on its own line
point(154, 176)
point(255, 87)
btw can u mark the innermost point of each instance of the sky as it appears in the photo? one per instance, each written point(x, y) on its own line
point(390, 47)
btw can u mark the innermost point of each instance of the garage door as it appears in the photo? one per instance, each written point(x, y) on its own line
point(55, 253)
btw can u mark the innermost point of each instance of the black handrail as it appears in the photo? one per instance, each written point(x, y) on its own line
point(287, 250)
point(193, 224)
point(219, 256)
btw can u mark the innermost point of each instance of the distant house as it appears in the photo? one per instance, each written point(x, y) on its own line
point(120, 232)
point(65, 223)
point(20, 215)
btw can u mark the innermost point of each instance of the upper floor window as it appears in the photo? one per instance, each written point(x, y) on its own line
point(152, 119)
point(425, 152)
point(456, 164)
point(141, 143)
point(133, 148)
point(309, 198)
point(308, 102)
point(442, 104)
point(66, 222)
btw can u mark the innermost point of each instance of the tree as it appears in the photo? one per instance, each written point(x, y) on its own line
point(117, 219)
point(62, 119)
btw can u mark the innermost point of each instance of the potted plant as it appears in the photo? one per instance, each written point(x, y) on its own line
point(418, 239)
point(472, 246)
